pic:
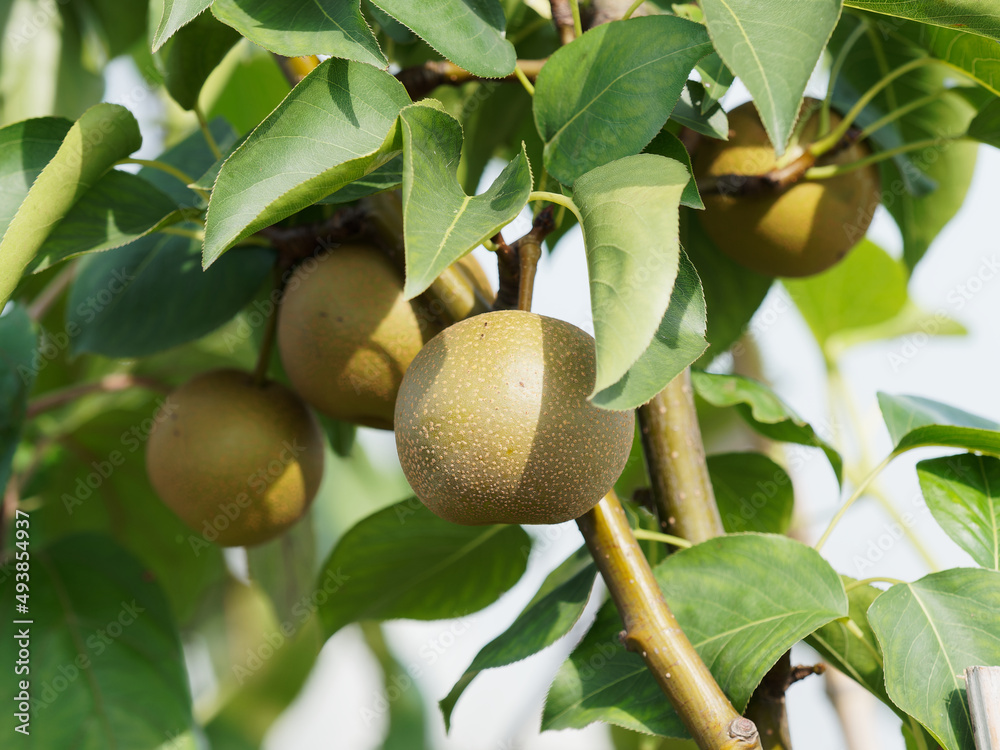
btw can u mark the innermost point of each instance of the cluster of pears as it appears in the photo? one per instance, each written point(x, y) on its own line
point(799, 230)
point(491, 414)
point(239, 461)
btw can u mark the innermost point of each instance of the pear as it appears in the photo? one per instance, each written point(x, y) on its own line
point(493, 424)
point(237, 462)
point(798, 231)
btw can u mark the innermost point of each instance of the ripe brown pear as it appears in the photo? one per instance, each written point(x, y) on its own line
point(346, 334)
point(237, 462)
point(493, 424)
point(801, 230)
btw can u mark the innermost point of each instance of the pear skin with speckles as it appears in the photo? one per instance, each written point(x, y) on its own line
point(346, 334)
point(798, 231)
point(493, 424)
point(237, 462)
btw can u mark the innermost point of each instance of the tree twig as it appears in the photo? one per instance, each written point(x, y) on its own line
point(420, 80)
point(562, 17)
point(652, 631)
point(108, 384)
point(675, 458)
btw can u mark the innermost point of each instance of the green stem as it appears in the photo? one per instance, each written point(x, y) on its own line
point(858, 492)
point(652, 631)
point(577, 24)
point(900, 112)
point(524, 80)
point(632, 9)
point(656, 536)
point(827, 142)
point(877, 579)
point(838, 64)
point(835, 170)
point(557, 198)
point(270, 333)
point(163, 167)
point(207, 132)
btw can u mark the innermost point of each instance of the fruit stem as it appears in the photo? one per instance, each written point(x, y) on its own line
point(675, 458)
point(632, 9)
point(838, 64)
point(652, 631)
point(267, 344)
point(831, 139)
point(835, 170)
point(529, 250)
point(207, 132)
point(108, 384)
point(577, 24)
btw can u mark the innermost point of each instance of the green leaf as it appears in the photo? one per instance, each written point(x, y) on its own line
point(971, 55)
point(753, 493)
point(678, 341)
point(866, 288)
point(732, 292)
point(985, 127)
point(18, 341)
point(971, 16)
point(762, 410)
point(106, 663)
point(669, 145)
point(386, 177)
point(440, 222)
point(716, 78)
point(249, 85)
point(285, 568)
point(961, 492)
point(307, 27)
point(191, 56)
point(550, 615)
point(930, 631)
point(152, 295)
point(467, 32)
point(907, 181)
point(773, 48)
point(176, 13)
point(858, 658)
point(629, 210)
point(193, 156)
point(914, 422)
point(104, 134)
point(712, 122)
point(405, 562)
point(743, 600)
point(337, 125)
point(25, 148)
point(607, 94)
point(119, 209)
